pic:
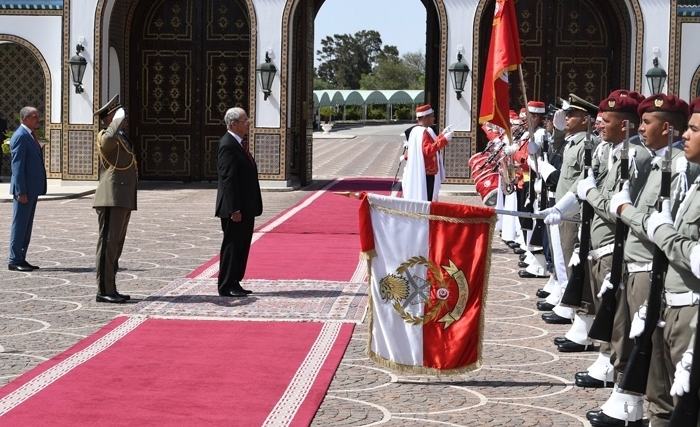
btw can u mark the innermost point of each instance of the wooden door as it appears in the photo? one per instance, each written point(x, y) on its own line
point(189, 64)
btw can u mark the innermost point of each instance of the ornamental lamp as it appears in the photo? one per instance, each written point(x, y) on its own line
point(459, 72)
point(78, 64)
point(656, 78)
point(266, 74)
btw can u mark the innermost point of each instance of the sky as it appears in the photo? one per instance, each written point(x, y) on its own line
point(401, 23)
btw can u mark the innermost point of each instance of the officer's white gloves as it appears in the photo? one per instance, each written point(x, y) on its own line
point(681, 380)
point(585, 185)
point(447, 133)
point(545, 168)
point(559, 119)
point(621, 198)
point(533, 147)
point(120, 114)
point(510, 149)
point(695, 260)
point(402, 159)
point(567, 206)
point(657, 219)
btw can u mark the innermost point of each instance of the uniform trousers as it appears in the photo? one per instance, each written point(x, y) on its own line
point(113, 222)
point(235, 248)
point(568, 236)
point(669, 345)
point(21, 229)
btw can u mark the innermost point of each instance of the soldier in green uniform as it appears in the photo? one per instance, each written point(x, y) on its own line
point(658, 114)
point(115, 197)
point(615, 110)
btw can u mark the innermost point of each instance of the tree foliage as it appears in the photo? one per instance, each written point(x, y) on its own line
point(344, 58)
point(394, 73)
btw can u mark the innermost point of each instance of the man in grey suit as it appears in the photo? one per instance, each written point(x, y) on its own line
point(115, 198)
point(27, 184)
point(238, 202)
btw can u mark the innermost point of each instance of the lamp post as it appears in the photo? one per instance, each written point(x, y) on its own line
point(266, 74)
point(78, 64)
point(458, 73)
point(656, 77)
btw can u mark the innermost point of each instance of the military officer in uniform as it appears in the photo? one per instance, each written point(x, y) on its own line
point(115, 197)
point(615, 111)
point(658, 114)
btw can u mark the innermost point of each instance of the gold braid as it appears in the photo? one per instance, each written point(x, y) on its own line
point(106, 162)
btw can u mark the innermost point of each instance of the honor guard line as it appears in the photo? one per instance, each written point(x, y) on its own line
point(498, 211)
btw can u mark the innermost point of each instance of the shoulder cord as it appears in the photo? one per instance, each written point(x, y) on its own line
point(106, 162)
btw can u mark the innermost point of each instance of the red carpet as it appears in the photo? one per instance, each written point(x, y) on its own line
point(184, 373)
point(157, 372)
point(318, 242)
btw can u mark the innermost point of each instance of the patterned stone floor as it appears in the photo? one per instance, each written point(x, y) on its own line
point(524, 381)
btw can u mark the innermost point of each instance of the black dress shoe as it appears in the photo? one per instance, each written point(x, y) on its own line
point(33, 267)
point(234, 294)
point(519, 250)
point(574, 347)
point(580, 374)
point(126, 297)
point(114, 298)
point(18, 267)
point(523, 264)
point(527, 275)
point(541, 293)
point(513, 244)
point(555, 319)
point(245, 291)
point(588, 381)
point(560, 340)
point(602, 420)
point(544, 306)
point(522, 257)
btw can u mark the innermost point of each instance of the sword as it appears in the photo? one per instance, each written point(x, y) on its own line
point(497, 211)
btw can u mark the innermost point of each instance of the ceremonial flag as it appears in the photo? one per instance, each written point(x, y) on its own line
point(504, 56)
point(429, 264)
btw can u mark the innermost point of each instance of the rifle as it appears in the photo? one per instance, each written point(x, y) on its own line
point(602, 326)
point(686, 411)
point(634, 378)
point(574, 289)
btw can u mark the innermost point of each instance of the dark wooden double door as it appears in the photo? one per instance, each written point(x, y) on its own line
point(189, 63)
point(568, 46)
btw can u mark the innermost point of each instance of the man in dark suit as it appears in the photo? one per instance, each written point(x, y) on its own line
point(238, 202)
point(115, 198)
point(27, 184)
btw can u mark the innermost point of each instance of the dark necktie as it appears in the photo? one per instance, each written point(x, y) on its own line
point(245, 147)
point(38, 146)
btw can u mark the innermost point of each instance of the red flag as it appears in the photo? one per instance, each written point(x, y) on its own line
point(504, 56)
point(428, 277)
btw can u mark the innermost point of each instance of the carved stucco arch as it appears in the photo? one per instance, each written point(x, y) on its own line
point(44, 67)
point(288, 34)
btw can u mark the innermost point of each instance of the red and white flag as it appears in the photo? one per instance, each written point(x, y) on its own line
point(429, 265)
point(504, 56)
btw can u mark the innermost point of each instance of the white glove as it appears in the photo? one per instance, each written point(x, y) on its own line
point(510, 149)
point(621, 198)
point(120, 114)
point(681, 380)
point(533, 147)
point(585, 185)
point(559, 120)
point(637, 328)
point(567, 206)
point(401, 159)
point(447, 133)
point(695, 260)
point(658, 219)
point(607, 284)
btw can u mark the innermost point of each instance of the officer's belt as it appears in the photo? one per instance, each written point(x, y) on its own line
point(636, 267)
point(683, 299)
point(599, 253)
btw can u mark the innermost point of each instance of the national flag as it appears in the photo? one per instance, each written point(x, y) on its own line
point(429, 264)
point(504, 56)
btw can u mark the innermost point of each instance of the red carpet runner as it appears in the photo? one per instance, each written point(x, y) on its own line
point(156, 372)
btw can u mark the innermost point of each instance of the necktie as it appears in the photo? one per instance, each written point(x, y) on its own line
point(245, 147)
point(38, 146)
